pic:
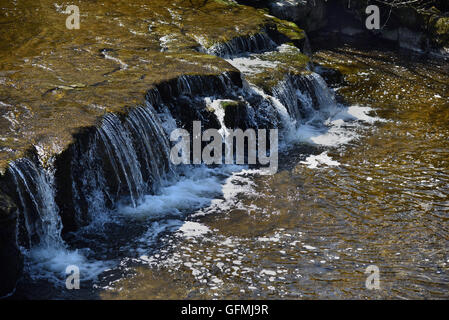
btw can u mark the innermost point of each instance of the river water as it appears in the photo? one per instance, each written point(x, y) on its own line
point(373, 191)
point(311, 230)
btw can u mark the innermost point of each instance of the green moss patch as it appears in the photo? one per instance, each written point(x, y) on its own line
point(287, 60)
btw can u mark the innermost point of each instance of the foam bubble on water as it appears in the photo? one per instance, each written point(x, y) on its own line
point(155, 229)
point(268, 272)
point(251, 64)
point(51, 263)
point(193, 229)
point(325, 136)
point(239, 182)
point(198, 191)
point(314, 162)
point(194, 190)
point(360, 113)
point(340, 128)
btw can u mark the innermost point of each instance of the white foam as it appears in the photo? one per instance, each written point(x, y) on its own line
point(239, 182)
point(359, 113)
point(314, 162)
point(193, 229)
point(185, 194)
point(51, 263)
point(251, 65)
point(192, 191)
point(158, 227)
point(268, 272)
point(339, 128)
point(329, 136)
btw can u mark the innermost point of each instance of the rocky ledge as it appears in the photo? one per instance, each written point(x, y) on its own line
point(57, 85)
point(421, 26)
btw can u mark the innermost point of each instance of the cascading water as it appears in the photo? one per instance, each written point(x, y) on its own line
point(286, 93)
point(122, 159)
point(90, 191)
point(119, 148)
point(294, 100)
point(306, 97)
point(38, 208)
point(152, 145)
point(242, 45)
point(305, 106)
point(126, 160)
point(46, 253)
point(274, 106)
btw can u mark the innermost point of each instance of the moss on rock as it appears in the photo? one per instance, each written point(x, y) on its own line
point(289, 29)
point(441, 28)
point(287, 60)
point(54, 83)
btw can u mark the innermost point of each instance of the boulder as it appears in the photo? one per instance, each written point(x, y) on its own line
point(308, 15)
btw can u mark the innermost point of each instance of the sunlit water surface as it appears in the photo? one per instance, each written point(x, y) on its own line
point(312, 229)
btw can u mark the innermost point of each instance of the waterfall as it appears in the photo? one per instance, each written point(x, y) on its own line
point(273, 106)
point(241, 45)
point(305, 97)
point(294, 100)
point(123, 162)
point(152, 145)
point(122, 157)
point(316, 85)
point(286, 92)
point(90, 190)
point(127, 157)
point(39, 226)
point(39, 211)
point(191, 86)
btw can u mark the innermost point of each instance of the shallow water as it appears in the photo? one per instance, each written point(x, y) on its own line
point(310, 231)
point(360, 194)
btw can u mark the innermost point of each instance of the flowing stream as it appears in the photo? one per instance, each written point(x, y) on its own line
point(363, 180)
point(357, 194)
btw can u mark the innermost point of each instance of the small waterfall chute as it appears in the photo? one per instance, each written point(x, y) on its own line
point(241, 45)
point(152, 145)
point(122, 157)
point(38, 207)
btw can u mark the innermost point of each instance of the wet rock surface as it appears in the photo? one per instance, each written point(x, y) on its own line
point(418, 26)
point(51, 76)
point(57, 86)
point(85, 116)
point(10, 256)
